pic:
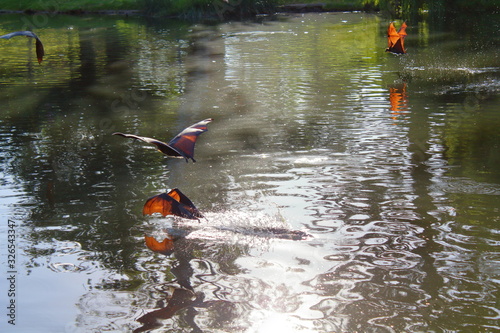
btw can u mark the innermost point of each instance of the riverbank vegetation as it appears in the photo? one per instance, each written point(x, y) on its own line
point(68, 5)
point(226, 9)
point(411, 9)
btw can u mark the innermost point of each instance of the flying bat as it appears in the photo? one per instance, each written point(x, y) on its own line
point(395, 39)
point(181, 146)
point(38, 43)
point(172, 203)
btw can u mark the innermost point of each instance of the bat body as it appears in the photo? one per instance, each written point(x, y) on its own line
point(172, 203)
point(38, 43)
point(182, 145)
point(395, 39)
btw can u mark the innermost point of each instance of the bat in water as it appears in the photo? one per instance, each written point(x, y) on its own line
point(182, 145)
point(38, 43)
point(395, 39)
point(172, 203)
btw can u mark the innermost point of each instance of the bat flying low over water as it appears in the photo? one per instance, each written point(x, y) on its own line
point(182, 145)
point(174, 203)
point(396, 39)
point(38, 43)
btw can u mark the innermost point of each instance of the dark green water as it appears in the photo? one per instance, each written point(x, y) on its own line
point(389, 163)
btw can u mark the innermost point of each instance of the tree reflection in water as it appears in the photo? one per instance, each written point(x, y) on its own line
point(183, 297)
point(181, 294)
point(398, 184)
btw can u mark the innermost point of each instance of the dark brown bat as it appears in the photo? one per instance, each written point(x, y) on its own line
point(38, 43)
point(172, 203)
point(395, 39)
point(182, 145)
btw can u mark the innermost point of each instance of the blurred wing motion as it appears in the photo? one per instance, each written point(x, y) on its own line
point(38, 43)
point(162, 146)
point(395, 39)
point(166, 247)
point(182, 145)
point(172, 203)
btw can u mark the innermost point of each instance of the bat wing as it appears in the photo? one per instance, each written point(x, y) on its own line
point(402, 31)
point(402, 34)
point(165, 247)
point(185, 140)
point(19, 33)
point(40, 52)
point(183, 199)
point(161, 203)
point(167, 205)
point(162, 146)
point(392, 36)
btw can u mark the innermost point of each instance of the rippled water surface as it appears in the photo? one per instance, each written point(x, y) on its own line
point(345, 189)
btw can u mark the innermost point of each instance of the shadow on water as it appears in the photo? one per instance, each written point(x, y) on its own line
point(344, 188)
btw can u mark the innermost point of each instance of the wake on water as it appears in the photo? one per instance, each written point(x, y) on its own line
point(229, 226)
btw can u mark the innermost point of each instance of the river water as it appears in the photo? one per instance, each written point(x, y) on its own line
point(344, 189)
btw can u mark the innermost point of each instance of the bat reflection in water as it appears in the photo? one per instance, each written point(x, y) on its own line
point(180, 299)
point(395, 39)
point(166, 247)
point(38, 43)
point(181, 146)
point(398, 99)
point(183, 297)
point(173, 202)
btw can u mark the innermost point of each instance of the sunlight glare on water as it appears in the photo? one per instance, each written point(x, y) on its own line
point(344, 189)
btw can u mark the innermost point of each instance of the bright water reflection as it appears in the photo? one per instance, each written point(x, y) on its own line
point(388, 162)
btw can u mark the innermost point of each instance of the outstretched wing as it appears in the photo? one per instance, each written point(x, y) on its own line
point(162, 146)
point(402, 31)
point(161, 203)
point(185, 140)
point(183, 199)
point(165, 247)
point(392, 36)
point(19, 33)
point(39, 46)
point(167, 205)
point(402, 34)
